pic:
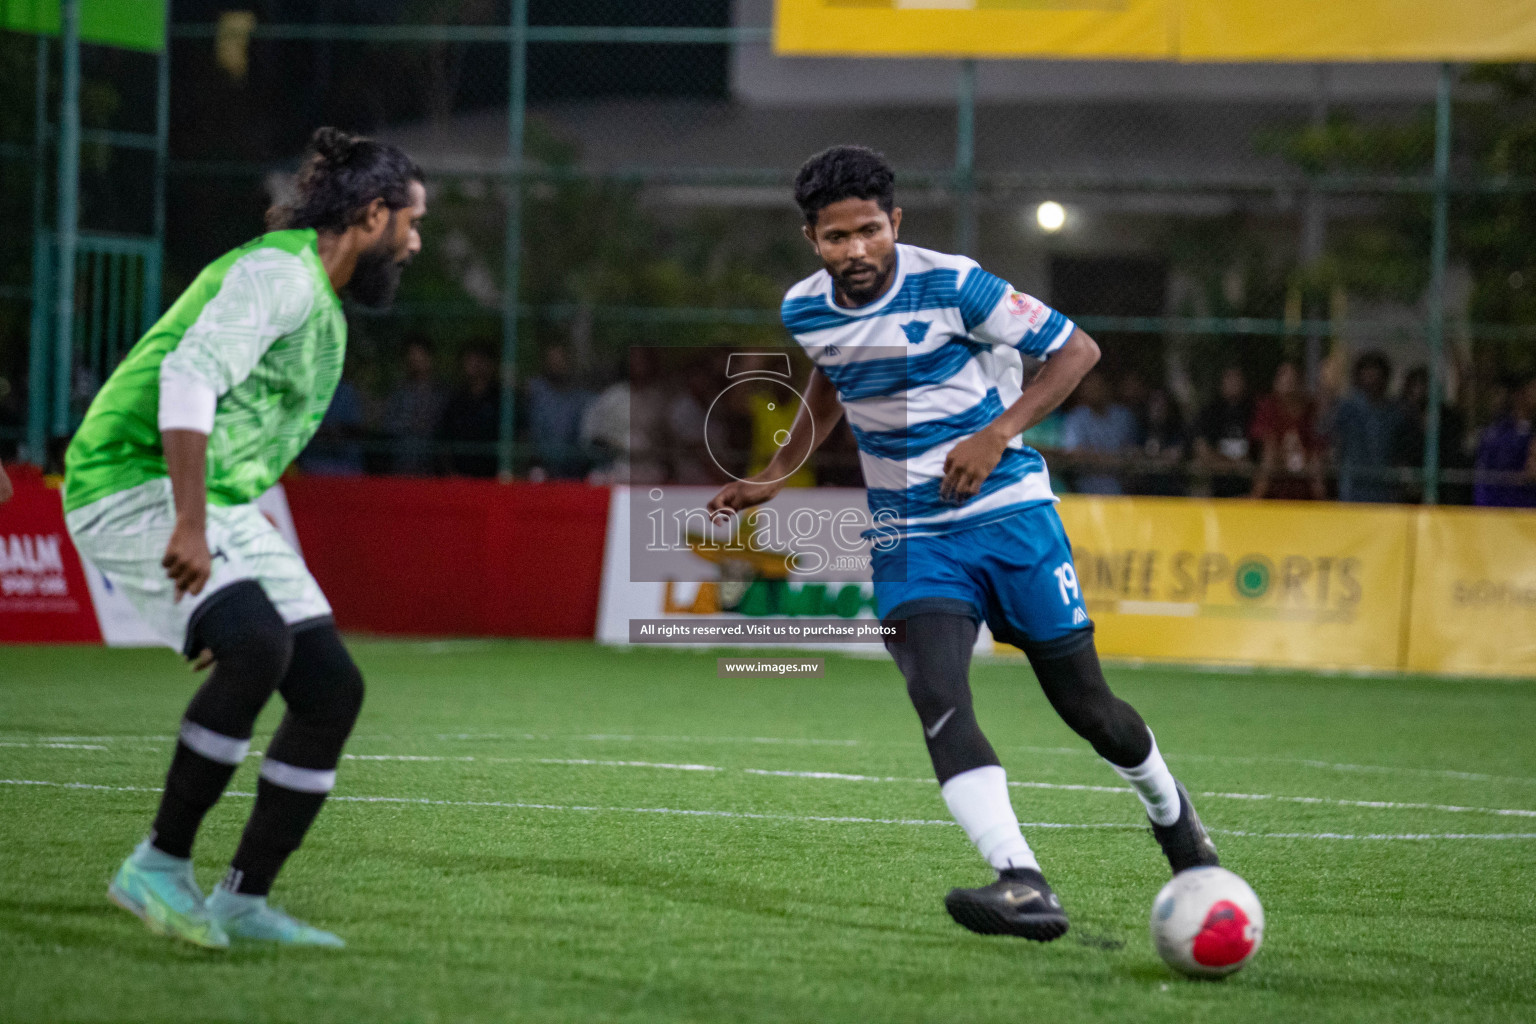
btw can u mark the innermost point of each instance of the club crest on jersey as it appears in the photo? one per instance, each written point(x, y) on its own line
point(1027, 306)
point(916, 330)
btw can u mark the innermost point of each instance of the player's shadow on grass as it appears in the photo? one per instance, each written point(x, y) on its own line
point(934, 929)
point(86, 925)
point(684, 887)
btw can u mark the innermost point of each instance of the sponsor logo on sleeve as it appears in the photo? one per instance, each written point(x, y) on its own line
point(1030, 308)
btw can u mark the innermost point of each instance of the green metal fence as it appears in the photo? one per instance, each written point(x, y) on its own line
point(605, 185)
point(94, 167)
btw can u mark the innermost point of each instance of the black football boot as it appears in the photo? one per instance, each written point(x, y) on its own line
point(1019, 903)
point(1186, 843)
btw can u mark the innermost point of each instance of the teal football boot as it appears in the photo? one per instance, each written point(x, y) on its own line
point(161, 891)
point(251, 918)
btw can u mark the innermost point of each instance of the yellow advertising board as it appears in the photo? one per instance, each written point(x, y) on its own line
point(1474, 594)
point(1264, 583)
point(1327, 30)
point(1125, 29)
point(1296, 30)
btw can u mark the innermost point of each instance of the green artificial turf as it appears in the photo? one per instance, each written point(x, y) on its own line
point(598, 906)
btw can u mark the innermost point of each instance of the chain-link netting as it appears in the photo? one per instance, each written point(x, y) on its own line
point(1209, 226)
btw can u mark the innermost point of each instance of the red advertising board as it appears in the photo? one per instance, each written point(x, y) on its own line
point(43, 593)
point(454, 557)
point(418, 557)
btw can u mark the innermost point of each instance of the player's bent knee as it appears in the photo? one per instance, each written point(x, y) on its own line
point(324, 685)
point(347, 697)
point(932, 693)
point(243, 629)
point(1095, 723)
point(1069, 673)
point(935, 658)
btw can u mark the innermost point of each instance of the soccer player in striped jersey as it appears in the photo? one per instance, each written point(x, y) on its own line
point(202, 416)
point(924, 353)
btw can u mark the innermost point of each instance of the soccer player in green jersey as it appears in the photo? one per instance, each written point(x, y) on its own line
point(202, 416)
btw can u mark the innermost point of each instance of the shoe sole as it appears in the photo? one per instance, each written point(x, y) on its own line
point(156, 926)
point(984, 918)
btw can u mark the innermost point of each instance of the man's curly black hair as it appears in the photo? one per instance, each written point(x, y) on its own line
point(340, 176)
point(844, 172)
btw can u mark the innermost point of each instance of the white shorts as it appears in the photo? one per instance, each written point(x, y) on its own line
point(125, 536)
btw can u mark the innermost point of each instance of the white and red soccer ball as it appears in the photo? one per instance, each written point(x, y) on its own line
point(1207, 922)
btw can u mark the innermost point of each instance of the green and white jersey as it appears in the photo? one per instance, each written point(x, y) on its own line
point(251, 354)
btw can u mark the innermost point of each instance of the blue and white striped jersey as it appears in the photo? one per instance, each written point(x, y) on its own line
point(928, 364)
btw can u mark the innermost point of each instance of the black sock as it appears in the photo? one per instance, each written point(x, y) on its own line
point(193, 785)
point(935, 658)
point(324, 691)
point(276, 829)
point(252, 646)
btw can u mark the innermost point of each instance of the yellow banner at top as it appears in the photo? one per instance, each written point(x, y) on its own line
point(974, 28)
point(1192, 30)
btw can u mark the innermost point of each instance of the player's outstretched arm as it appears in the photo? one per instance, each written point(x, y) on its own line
point(813, 423)
point(187, 561)
point(971, 461)
point(5, 487)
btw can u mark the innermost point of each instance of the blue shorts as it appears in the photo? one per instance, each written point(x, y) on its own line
point(1015, 574)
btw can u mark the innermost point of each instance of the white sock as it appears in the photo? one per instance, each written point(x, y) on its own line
point(1154, 784)
point(979, 801)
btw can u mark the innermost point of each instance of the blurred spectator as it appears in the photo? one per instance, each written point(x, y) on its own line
point(697, 439)
point(1134, 394)
point(768, 409)
point(1098, 427)
point(471, 423)
point(1290, 450)
point(555, 408)
point(1163, 444)
point(1221, 443)
point(11, 417)
point(413, 410)
point(337, 448)
point(1410, 439)
point(1046, 435)
point(1364, 429)
point(605, 434)
point(622, 430)
point(1506, 449)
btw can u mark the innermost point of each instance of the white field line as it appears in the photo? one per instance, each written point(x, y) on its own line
point(1444, 773)
point(1441, 773)
point(54, 746)
point(1325, 801)
point(624, 738)
point(1392, 805)
point(532, 760)
point(1075, 751)
point(799, 818)
point(88, 739)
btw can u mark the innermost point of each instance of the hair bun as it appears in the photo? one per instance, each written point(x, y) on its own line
point(333, 145)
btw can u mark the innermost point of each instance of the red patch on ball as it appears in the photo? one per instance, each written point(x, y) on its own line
point(1223, 939)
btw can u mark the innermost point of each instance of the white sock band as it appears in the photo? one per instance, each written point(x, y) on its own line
point(300, 780)
point(213, 745)
point(978, 799)
point(1154, 785)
